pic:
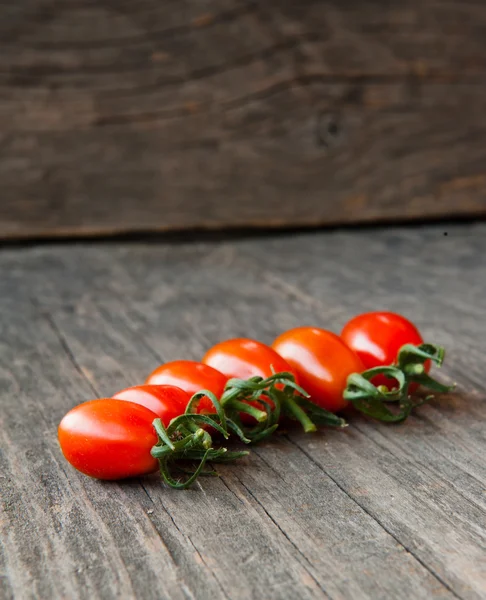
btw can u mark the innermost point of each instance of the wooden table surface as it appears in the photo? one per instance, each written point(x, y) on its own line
point(373, 511)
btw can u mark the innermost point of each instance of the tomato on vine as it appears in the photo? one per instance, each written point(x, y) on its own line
point(322, 362)
point(377, 338)
point(190, 376)
point(247, 359)
point(115, 439)
point(397, 361)
point(109, 439)
point(166, 401)
point(243, 358)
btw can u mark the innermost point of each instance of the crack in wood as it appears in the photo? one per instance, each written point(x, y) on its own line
point(380, 523)
point(69, 353)
point(425, 468)
point(150, 36)
point(286, 536)
point(187, 538)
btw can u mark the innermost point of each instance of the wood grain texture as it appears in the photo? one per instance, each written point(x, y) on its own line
point(225, 113)
point(373, 512)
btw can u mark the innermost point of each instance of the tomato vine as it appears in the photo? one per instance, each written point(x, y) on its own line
point(160, 425)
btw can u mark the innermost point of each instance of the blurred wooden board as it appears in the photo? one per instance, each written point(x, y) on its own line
point(373, 512)
point(147, 116)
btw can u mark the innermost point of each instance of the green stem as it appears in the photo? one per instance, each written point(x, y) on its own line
point(259, 415)
point(409, 368)
point(237, 428)
point(319, 415)
point(162, 433)
point(177, 447)
point(207, 441)
point(186, 420)
point(217, 455)
point(291, 399)
point(174, 483)
point(196, 398)
point(293, 410)
point(184, 440)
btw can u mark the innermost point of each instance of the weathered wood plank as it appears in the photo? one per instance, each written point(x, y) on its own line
point(315, 514)
point(161, 116)
point(416, 518)
point(338, 576)
point(143, 554)
point(65, 535)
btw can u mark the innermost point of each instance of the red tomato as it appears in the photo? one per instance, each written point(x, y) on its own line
point(376, 337)
point(191, 377)
point(322, 362)
point(166, 401)
point(243, 358)
point(109, 439)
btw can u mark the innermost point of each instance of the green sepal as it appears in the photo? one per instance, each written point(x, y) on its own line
point(321, 416)
point(193, 403)
point(409, 368)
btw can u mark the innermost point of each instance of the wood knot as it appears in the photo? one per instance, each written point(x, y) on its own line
point(328, 130)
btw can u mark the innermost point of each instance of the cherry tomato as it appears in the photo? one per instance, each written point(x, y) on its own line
point(109, 439)
point(191, 377)
point(322, 362)
point(166, 401)
point(376, 337)
point(243, 358)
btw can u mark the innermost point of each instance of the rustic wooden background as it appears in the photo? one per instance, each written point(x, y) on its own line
point(374, 512)
point(120, 115)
